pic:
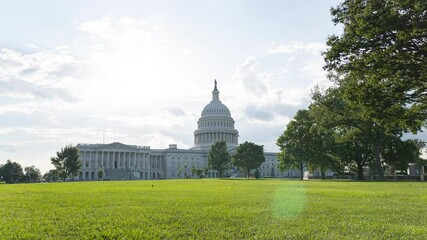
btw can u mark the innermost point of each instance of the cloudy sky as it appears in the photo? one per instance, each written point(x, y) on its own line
point(142, 71)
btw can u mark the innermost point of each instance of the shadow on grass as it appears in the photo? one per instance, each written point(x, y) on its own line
point(240, 179)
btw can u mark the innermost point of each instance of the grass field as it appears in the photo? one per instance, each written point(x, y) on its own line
point(214, 209)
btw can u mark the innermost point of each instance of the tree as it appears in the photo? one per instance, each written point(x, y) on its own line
point(32, 174)
point(67, 162)
point(305, 143)
point(256, 174)
point(51, 176)
point(11, 172)
point(219, 158)
point(379, 65)
point(248, 156)
point(399, 153)
point(193, 170)
point(293, 152)
point(199, 172)
point(353, 144)
point(101, 174)
point(354, 151)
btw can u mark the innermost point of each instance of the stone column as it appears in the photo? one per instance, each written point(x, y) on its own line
point(122, 157)
point(82, 158)
point(128, 158)
point(118, 161)
point(115, 160)
point(106, 163)
point(123, 161)
point(90, 159)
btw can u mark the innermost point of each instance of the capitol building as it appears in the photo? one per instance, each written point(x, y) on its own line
point(120, 161)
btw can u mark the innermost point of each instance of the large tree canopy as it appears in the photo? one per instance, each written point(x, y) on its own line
point(248, 156)
point(379, 65)
point(51, 176)
point(11, 172)
point(219, 158)
point(32, 174)
point(306, 143)
point(67, 162)
point(292, 143)
point(384, 47)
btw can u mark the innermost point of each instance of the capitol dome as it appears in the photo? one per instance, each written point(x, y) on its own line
point(215, 124)
point(215, 107)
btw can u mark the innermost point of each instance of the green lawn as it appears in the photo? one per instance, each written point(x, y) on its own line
point(214, 209)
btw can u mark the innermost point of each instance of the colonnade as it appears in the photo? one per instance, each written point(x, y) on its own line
point(120, 160)
point(149, 166)
point(215, 136)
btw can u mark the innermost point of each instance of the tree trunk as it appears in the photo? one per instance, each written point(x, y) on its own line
point(377, 156)
point(302, 170)
point(360, 172)
point(322, 171)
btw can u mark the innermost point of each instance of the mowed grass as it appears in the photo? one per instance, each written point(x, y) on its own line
point(214, 209)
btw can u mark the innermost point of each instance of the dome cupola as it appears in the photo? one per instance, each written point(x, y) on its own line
point(215, 107)
point(215, 124)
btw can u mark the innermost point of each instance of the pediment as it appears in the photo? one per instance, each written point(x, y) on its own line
point(117, 145)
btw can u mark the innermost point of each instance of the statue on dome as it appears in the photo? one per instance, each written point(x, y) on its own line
point(215, 82)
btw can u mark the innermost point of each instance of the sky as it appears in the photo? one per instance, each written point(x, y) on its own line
point(140, 72)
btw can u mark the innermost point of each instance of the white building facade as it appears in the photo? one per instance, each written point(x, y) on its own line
point(119, 161)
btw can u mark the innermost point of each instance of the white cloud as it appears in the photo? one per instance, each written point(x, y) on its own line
point(247, 75)
point(127, 82)
point(96, 27)
point(295, 46)
point(38, 75)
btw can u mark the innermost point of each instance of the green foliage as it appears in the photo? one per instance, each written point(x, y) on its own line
point(398, 153)
point(196, 171)
point(67, 162)
point(199, 172)
point(100, 174)
point(256, 174)
point(305, 143)
point(219, 158)
point(51, 176)
point(382, 51)
point(378, 64)
point(248, 156)
point(32, 174)
point(212, 208)
point(11, 172)
point(354, 136)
